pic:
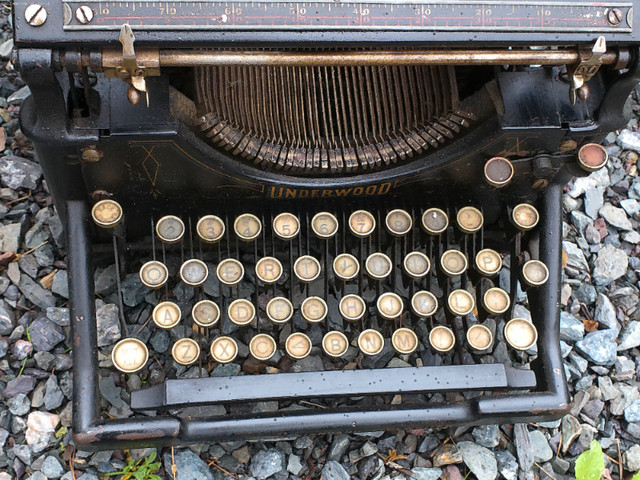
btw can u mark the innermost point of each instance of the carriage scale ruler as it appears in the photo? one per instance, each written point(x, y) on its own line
point(354, 15)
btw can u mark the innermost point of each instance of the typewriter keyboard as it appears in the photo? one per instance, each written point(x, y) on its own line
point(430, 286)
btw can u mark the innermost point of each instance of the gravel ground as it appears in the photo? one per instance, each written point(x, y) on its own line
point(600, 331)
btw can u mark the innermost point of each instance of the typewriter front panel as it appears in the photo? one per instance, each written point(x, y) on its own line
point(349, 211)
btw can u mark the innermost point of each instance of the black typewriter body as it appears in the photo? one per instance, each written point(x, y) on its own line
point(190, 109)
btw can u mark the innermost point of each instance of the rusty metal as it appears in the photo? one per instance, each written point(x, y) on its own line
point(592, 157)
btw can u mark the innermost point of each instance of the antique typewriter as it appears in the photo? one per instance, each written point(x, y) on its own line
point(344, 215)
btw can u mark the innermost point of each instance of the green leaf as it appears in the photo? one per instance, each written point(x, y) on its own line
point(151, 457)
point(636, 476)
point(139, 475)
point(590, 463)
point(62, 431)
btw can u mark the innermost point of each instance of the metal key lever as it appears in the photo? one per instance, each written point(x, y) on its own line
point(582, 71)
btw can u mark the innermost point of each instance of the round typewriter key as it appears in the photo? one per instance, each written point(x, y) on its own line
point(286, 226)
point(306, 268)
point(389, 306)
point(416, 264)
point(488, 262)
point(404, 341)
point(592, 157)
point(398, 222)
point(269, 270)
point(247, 227)
point(525, 216)
point(313, 309)
point(205, 313)
point(498, 172)
point(185, 351)
point(153, 274)
point(352, 308)
point(241, 312)
point(434, 221)
point(224, 349)
point(129, 355)
point(335, 344)
point(170, 229)
point(194, 272)
point(460, 302)
point(535, 273)
point(262, 347)
point(362, 223)
point(479, 338)
point(520, 334)
point(469, 219)
point(496, 301)
point(442, 339)
point(424, 304)
point(210, 228)
point(107, 213)
point(166, 315)
point(346, 266)
point(230, 271)
point(370, 342)
point(453, 262)
point(298, 345)
point(378, 266)
point(279, 310)
point(324, 225)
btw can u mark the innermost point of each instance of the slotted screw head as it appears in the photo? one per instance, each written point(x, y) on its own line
point(614, 16)
point(35, 15)
point(84, 14)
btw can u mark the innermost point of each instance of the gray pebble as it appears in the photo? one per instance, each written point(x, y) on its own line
point(267, 463)
point(332, 470)
point(599, 347)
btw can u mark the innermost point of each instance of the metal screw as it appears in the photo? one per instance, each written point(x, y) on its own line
point(614, 16)
point(84, 14)
point(35, 15)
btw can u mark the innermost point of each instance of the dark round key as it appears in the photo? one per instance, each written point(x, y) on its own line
point(498, 172)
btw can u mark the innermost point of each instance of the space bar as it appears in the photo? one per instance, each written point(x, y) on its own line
point(342, 383)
